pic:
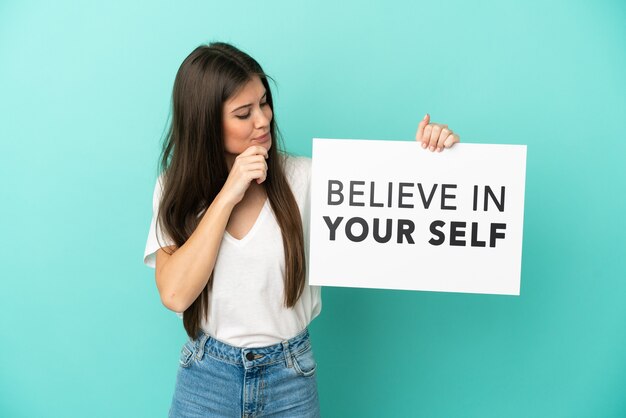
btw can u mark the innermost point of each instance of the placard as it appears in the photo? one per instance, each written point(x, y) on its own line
point(392, 215)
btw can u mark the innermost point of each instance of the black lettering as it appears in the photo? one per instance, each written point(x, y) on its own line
point(444, 196)
point(372, 203)
point(495, 234)
point(440, 235)
point(455, 232)
point(475, 241)
point(377, 236)
point(401, 194)
point(350, 235)
point(332, 191)
point(332, 226)
point(430, 197)
point(356, 192)
point(499, 203)
point(405, 228)
point(475, 204)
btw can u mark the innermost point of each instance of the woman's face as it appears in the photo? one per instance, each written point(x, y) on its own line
point(246, 120)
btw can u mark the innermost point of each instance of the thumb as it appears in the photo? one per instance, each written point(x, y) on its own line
point(421, 126)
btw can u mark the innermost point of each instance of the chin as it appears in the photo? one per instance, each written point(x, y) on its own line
point(267, 144)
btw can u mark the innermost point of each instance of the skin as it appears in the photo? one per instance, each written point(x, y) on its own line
point(247, 116)
point(247, 140)
point(435, 136)
point(182, 275)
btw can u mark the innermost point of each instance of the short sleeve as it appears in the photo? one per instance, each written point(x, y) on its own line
point(156, 237)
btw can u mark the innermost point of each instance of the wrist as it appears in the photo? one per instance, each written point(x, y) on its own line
point(222, 201)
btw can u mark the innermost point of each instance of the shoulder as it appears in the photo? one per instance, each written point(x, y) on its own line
point(297, 167)
point(158, 188)
point(298, 174)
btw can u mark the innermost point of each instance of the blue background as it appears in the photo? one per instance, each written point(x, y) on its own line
point(85, 93)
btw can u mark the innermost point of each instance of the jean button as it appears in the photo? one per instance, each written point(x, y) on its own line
point(250, 356)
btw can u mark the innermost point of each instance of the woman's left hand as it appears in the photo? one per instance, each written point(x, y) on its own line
point(435, 136)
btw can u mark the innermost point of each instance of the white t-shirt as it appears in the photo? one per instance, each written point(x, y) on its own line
point(246, 299)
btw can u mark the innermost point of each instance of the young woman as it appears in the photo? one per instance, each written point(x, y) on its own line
point(229, 241)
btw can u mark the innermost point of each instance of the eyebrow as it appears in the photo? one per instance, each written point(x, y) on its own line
point(249, 104)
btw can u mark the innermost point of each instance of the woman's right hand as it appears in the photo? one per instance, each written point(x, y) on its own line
point(248, 166)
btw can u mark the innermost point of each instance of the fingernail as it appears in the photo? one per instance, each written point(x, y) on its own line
point(432, 148)
point(439, 149)
point(423, 144)
point(424, 118)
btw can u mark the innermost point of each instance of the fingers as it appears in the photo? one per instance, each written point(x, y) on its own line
point(420, 128)
point(426, 138)
point(247, 159)
point(248, 166)
point(443, 136)
point(257, 169)
point(262, 177)
point(251, 166)
point(435, 136)
point(451, 140)
point(253, 163)
point(254, 150)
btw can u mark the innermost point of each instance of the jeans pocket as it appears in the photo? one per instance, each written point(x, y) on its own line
point(186, 353)
point(304, 362)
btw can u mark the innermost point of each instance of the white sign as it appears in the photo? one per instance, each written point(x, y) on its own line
point(391, 215)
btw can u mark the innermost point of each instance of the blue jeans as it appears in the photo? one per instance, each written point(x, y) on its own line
point(215, 379)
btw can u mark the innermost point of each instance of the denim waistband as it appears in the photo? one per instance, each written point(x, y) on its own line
point(253, 356)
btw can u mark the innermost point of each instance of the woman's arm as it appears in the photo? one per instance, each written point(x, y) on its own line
point(180, 277)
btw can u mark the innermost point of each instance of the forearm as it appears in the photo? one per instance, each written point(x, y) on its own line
point(186, 272)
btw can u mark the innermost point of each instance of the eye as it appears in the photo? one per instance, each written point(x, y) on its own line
point(243, 116)
point(263, 104)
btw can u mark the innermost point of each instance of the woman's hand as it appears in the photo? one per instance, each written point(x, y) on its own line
point(248, 166)
point(435, 136)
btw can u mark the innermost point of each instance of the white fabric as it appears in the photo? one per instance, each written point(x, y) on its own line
point(246, 300)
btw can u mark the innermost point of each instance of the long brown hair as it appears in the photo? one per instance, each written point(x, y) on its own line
point(194, 166)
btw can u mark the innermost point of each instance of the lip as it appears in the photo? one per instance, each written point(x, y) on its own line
point(262, 138)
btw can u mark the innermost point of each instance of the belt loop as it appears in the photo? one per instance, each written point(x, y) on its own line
point(287, 353)
point(201, 343)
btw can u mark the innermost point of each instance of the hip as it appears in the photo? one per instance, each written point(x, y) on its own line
point(217, 379)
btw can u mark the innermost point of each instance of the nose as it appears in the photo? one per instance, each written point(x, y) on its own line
point(262, 120)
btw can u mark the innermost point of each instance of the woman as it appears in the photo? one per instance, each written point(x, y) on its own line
point(229, 241)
